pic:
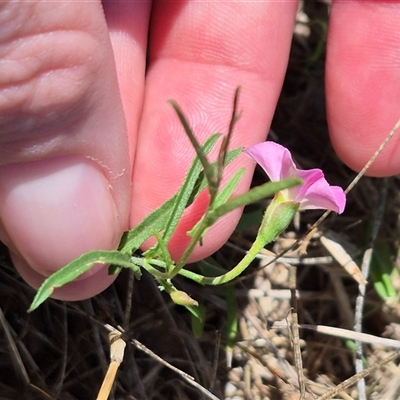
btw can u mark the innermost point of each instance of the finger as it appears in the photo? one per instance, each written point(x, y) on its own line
point(362, 79)
point(128, 23)
point(64, 174)
point(199, 53)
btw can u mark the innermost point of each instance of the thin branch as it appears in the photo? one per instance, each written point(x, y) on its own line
point(342, 333)
point(365, 267)
point(188, 378)
point(16, 357)
point(294, 333)
point(116, 357)
point(355, 378)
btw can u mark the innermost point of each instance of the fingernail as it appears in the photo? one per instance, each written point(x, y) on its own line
point(57, 209)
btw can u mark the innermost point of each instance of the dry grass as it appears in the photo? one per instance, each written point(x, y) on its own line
point(61, 350)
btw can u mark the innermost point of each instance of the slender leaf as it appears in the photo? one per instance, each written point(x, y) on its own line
point(198, 319)
point(209, 170)
point(226, 192)
point(167, 215)
point(255, 194)
point(201, 183)
point(196, 312)
point(186, 190)
point(75, 269)
point(212, 215)
point(223, 196)
point(232, 320)
point(226, 140)
point(160, 250)
point(154, 222)
point(383, 270)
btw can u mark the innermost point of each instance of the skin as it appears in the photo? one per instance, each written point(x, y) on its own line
point(89, 145)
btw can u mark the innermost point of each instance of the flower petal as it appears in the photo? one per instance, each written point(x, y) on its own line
point(316, 193)
point(274, 159)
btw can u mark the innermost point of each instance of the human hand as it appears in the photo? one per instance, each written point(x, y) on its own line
point(68, 142)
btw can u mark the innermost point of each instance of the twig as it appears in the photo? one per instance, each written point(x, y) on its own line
point(343, 333)
point(358, 316)
point(373, 158)
point(306, 241)
point(265, 363)
point(63, 367)
point(129, 297)
point(95, 327)
point(215, 361)
point(16, 357)
point(116, 356)
point(355, 378)
point(360, 174)
point(345, 307)
point(270, 347)
point(17, 360)
point(365, 267)
point(189, 379)
point(294, 332)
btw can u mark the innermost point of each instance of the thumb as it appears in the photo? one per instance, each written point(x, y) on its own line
point(64, 166)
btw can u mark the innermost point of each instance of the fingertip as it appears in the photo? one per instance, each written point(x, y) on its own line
point(363, 97)
point(55, 210)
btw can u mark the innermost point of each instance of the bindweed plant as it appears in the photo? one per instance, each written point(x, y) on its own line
point(293, 190)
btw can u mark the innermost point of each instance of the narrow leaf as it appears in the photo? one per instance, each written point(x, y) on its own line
point(222, 197)
point(198, 319)
point(226, 192)
point(212, 215)
point(75, 269)
point(186, 190)
point(208, 169)
point(210, 267)
point(253, 195)
point(154, 222)
point(196, 312)
point(168, 214)
point(232, 321)
point(226, 140)
point(383, 270)
point(160, 250)
point(201, 183)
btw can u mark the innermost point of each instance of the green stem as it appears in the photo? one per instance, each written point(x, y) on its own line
point(196, 238)
point(142, 262)
point(277, 217)
point(257, 246)
point(253, 252)
point(254, 194)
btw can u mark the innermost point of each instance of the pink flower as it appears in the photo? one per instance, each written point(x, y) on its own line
point(314, 193)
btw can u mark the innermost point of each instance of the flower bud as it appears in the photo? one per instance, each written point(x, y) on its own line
point(182, 298)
